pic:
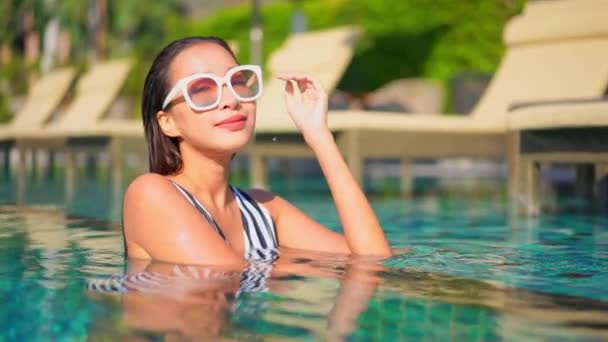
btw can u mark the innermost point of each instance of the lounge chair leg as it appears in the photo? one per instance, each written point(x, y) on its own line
point(531, 170)
point(20, 167)
point(259, 171)
point(41, 161)
point(91, 166)
point(117, 171)
point(6, 165)
point(584, 180)
point(70, 176)
point(407, 178)
point(352, 151)
point(601, 186)
point(514, 170)
point(35, 166)
point(601, 171)
point(21, 175)
point(50, 167)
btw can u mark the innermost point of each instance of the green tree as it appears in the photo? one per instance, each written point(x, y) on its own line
point(14, 75)
point(138, 28)
point(140, 24)
point(73, 18)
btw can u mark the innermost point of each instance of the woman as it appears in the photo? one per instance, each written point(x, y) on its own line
point(199, 110)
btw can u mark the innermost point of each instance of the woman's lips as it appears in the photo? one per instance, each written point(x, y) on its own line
point(234, 123)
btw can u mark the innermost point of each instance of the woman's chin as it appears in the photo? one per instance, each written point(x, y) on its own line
point(233, 143)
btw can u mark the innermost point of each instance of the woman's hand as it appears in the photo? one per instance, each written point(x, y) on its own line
point(308, 110)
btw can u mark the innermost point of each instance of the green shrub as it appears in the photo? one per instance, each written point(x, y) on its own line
point(13, 82)
point(5, 114)
point(15, 75)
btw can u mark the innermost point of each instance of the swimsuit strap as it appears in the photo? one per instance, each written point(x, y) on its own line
point(201, 208)
point(261, 241)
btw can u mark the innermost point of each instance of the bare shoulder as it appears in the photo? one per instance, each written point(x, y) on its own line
point(146, 198)
point(150, 184)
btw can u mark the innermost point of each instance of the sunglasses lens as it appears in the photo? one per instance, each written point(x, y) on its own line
point(203, 91)
point(246, 84)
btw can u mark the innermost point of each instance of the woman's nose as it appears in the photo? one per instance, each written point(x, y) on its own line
point(228, 99)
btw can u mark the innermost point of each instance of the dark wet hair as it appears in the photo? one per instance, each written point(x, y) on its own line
point(163, 151)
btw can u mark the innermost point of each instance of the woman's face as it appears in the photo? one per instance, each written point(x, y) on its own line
point(225, 128)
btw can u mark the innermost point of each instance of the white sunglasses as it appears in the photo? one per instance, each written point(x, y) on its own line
point(204, 91)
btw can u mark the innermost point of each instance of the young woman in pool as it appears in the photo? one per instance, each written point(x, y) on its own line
point(199, 110)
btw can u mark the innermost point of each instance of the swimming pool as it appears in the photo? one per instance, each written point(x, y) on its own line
point(465, 270)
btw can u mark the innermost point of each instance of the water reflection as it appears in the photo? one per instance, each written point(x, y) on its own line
point(187, 302)
point(168, 301)
point(544, 278)
point(47, 258)
point(333, 299)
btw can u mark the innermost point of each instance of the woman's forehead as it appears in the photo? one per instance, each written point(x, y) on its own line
point(201, 58)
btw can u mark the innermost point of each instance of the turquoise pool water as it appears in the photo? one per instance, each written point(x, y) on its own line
point(465, 270)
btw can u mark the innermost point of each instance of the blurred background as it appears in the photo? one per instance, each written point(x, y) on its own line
point(444, 49)
point(466, 264)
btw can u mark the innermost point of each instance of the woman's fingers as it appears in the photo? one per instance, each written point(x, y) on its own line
point(290, 96)
point(305, 88)
point(289, 87)
point(299, 77)
point(293, 76)
point(302, 79)
point(309, 101)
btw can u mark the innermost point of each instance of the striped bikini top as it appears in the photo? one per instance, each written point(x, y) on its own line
point(261, 241)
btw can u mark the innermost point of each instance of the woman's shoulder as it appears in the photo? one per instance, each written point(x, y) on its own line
point(150, 199)
point(150, 185)
point(149, 181)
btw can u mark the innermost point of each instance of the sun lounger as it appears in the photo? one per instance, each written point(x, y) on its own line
point(551, 54)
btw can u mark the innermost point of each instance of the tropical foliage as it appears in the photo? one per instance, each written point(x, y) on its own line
point(407, 38)
point(436, 39)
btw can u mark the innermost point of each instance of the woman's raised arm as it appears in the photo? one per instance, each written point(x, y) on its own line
point(362, 231)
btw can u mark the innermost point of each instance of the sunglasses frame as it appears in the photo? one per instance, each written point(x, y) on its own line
point(181, 87)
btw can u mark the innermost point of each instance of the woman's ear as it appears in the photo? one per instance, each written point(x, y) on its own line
point(167, 124)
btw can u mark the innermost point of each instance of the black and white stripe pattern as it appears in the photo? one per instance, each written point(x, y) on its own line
point(260, 233)
point(261, 241)
point(253, 279)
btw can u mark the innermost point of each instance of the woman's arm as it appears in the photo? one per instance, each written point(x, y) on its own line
point(362, 231)
point(297, 230)
point(361, 227)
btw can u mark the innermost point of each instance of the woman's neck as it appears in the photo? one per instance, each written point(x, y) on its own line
point(206, 176)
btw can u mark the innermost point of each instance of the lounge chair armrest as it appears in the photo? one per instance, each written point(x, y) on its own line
point(559, 114)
